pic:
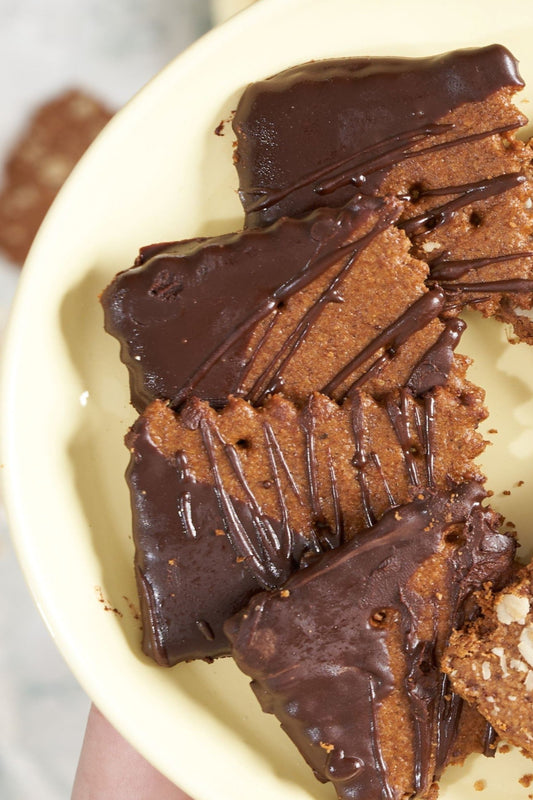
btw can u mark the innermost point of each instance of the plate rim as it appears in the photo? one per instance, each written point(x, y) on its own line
point(184, 62)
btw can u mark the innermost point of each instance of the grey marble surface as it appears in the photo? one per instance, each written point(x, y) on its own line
point(111, 49)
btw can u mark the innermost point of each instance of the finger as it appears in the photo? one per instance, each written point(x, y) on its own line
point(110, 767)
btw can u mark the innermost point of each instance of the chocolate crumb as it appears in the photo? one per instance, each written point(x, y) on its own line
point(526, 780)
point(219, 130)
point(132, 607)
point(107, 606)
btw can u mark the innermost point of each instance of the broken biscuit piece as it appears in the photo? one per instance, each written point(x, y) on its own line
point(329, 303)
point(226, 503)
point(490, 661)
point(355, 646)
point(436, 132)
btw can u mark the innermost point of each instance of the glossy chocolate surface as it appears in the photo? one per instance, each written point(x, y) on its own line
point(319, 654)
point(184, 315)
point(191, 569)
point(207, 538)
point(188, 315)
point(315, 133)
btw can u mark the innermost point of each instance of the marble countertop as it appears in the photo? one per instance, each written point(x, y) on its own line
point(111, 50)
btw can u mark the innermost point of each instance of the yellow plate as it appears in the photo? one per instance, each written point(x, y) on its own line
point(158, 172)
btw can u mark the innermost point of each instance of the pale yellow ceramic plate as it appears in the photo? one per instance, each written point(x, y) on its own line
point(158, 172)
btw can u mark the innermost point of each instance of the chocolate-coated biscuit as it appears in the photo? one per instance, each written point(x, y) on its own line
point(229, 502)
point(329, 303)
point(436, 132)
point(346, 654)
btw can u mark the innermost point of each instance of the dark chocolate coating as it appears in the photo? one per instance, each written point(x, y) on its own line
point(201, 552)
point(190, 575)
point(316, 133)
point(318, 650)
point(185, 313)
point(433, 369)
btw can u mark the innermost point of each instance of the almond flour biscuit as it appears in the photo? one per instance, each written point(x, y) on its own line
point(490, 661)
point(329, 303)
point(346, 654)
point(436, 132)
point(229, 502)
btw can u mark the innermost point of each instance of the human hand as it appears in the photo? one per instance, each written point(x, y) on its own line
point(110, 769)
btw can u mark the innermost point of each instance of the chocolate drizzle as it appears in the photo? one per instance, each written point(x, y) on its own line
point(360, 459)
point(271, 379)
point(377, 461)
point(359, 170)
point(404, 414)
point(416, 317)
point(512, 285)
point(426, 426)
point(400, 417)
point(329, 681)
point(434, 367)
point(467, 193)
point(275, 453)
point(293, 155)
point(445, 269)
point(353, 170)
point(321, 526)
point(268, 548)
point(200, 553)
point(379, 761)
point(339, 534)
point(447, 717)
point(208, 296)
point(420, 689)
